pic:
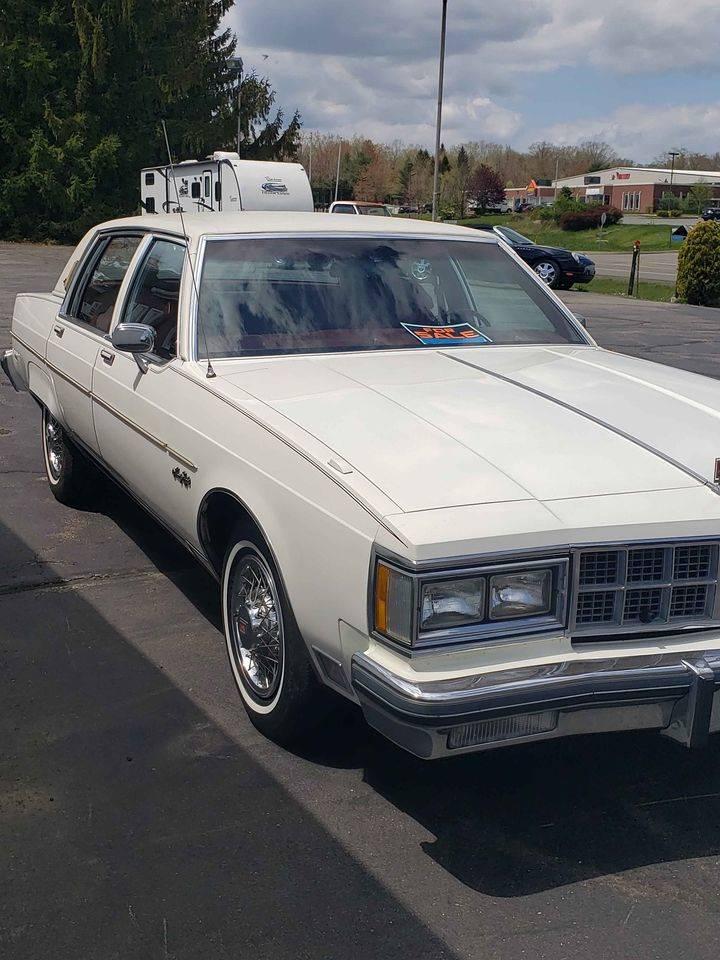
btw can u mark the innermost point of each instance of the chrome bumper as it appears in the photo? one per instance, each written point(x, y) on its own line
point(9, 363)
point(676, 694)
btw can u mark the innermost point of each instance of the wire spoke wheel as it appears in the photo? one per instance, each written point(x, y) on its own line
point(54, 446)
point(256, 626)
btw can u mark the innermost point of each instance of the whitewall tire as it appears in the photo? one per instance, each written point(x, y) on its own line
point(268, 658)
point(72, 478)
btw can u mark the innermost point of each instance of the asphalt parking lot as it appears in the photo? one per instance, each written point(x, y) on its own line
point(142, 816)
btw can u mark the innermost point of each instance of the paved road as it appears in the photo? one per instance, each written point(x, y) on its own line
point(653, 266)
point(141, 816)
point(640, 219)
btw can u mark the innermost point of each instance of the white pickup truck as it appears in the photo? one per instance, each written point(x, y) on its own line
point(416, 478)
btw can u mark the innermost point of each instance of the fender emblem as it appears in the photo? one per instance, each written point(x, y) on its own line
point(182, 477)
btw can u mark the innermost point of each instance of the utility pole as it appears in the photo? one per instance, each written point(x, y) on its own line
point(337, 175)
point(672, 154)
point(438, 122)
point(310, 172)
point(557, 168)
point(236, 64)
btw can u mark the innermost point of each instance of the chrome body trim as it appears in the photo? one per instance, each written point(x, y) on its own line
point(27, 347)
point(480, 634)
point(322, 467)
point(161, 444)
point(68, 379)
point(532, 556)
point(116, 478)
point(8, 362)
point(584, 338)
point(688, 471)
point(672, 692)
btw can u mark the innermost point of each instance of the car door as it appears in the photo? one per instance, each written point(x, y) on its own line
point(79, 331)
point(140, 437)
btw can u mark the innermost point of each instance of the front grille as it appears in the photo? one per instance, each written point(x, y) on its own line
point(642, 606)
point(644, 566)
point(638, 587)
point(597, 606)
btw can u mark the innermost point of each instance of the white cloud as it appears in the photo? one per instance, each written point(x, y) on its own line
point(371, 67)
point(642, 132)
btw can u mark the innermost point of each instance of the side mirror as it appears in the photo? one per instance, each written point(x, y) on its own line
point(581, 320)
point(135, 338)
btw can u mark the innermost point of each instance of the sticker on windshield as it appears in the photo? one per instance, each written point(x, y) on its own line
point(440, 336)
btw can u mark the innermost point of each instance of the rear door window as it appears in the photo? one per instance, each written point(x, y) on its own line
point(99, 287)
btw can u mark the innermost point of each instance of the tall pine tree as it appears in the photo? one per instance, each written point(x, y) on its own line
point(85, 84)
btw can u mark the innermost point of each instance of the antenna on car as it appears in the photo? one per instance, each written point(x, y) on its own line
point(209, 373)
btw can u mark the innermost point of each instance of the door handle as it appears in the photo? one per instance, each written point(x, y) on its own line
point(108, 357)
point(59, 331)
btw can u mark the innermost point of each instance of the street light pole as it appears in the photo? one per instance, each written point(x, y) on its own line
point(236, 64)
point(672, 154)
point(337, 175)
point(438, 122)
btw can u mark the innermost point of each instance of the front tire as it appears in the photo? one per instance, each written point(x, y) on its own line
point(70, 474)
point(549, 273)
point(270, 663)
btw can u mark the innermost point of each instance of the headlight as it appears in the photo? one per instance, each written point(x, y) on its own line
point(452, 603)
point(422, 610)
point(523, 594)
point(577, 257)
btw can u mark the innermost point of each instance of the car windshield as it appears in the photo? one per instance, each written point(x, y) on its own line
point(263, 297)
point(512, 236)
point(372, 211)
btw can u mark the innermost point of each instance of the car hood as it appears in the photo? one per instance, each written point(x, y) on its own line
point(434, 429)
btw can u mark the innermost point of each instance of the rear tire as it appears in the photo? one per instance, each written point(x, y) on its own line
point(72, 477)
point(269, 660)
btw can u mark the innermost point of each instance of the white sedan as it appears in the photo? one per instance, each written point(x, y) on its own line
point(417, 479)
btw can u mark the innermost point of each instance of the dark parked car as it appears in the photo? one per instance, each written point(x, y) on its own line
point(711, 213)
point(559, 268)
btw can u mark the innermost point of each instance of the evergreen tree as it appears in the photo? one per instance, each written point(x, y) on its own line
point(85, 84)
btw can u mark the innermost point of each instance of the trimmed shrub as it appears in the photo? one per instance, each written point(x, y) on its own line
point(590, 217)
point(698, 279)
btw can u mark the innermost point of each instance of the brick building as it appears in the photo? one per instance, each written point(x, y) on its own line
point(630, 189)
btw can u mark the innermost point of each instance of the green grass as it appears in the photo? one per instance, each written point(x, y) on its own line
point(616, 239)
point(648, 290)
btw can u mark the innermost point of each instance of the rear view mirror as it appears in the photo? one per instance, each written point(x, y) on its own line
point(135, 338)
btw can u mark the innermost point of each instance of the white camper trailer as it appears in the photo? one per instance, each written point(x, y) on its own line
point(225, 183)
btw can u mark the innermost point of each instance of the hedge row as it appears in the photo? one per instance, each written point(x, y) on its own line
point(590, 218)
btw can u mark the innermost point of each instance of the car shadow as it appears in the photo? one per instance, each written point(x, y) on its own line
point(516, 821)
point(132, 825)
point(527, 819)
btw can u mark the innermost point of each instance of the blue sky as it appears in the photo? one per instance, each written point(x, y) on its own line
point(642, 74)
